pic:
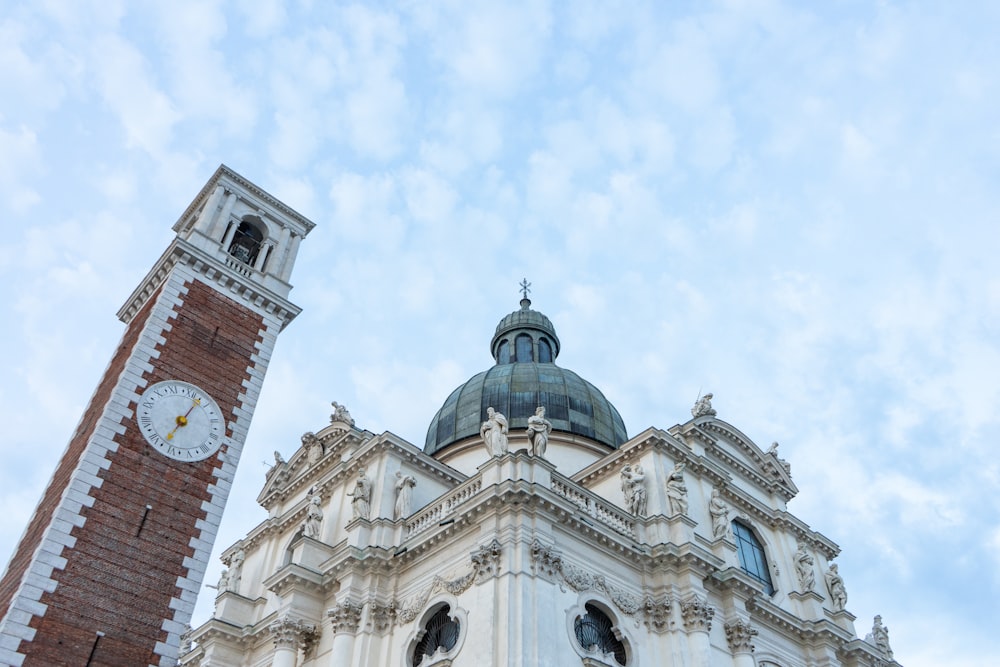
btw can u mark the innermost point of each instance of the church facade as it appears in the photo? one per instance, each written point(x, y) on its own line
point(530, 529)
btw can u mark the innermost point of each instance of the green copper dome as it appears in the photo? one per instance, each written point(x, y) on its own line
point(525, 376)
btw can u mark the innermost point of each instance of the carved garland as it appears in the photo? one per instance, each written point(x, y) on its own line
point(485, 564)
point(548, 560)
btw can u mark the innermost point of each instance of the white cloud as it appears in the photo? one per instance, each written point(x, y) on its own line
point(19, 157)
point(146, 113)
point(494, 50)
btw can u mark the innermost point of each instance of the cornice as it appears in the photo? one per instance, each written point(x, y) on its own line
point(224, 173)
point(237, 284)
point(331, 468)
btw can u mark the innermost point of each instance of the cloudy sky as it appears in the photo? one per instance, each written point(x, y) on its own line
point(793, 205)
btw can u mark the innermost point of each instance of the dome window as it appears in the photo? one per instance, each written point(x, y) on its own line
point(544, 351)
point(246, 243)
point(523, 349)
point(503, 353)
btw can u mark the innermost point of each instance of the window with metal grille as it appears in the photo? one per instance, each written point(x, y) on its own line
point(594, 630)
point(440, 632)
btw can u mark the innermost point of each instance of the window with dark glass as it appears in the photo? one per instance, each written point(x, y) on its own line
point(595, 630)
point(544, 351)
point(503, 353)
point(246, 243)
point(440, 631)
point(751, 555)
point(522, 346)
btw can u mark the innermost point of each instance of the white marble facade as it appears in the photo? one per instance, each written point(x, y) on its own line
point(517, 549)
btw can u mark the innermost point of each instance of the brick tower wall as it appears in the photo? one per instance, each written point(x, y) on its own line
point(126, 572)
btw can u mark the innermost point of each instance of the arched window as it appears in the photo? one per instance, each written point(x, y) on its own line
point(751, 554)
point(544, 351)
point(596, 634)
point(440, 634)
point(523, 348)
point(246, 243)
point(503, 353)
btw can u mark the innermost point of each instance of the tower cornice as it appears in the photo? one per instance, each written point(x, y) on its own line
point(236, 280)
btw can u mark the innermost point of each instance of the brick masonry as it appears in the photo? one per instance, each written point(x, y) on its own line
point(90, 579)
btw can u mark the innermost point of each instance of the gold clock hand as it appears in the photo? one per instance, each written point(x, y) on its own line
point(182, 419)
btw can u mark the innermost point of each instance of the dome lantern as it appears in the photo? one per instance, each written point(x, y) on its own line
point(525, 376)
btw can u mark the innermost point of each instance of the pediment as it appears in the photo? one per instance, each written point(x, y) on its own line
point(733, 449)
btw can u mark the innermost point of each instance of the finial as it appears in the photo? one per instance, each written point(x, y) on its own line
point(525, 285)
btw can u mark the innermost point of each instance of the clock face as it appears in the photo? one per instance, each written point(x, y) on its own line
point(180, 420)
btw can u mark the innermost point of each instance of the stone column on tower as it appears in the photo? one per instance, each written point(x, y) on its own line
point(109, 567)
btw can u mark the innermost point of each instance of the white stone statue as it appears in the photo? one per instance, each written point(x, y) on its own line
point(804, 569)
point(880, 637)
point(361, 497)
point(494, 432)
point(278, 459)
point(313, 447)
point(634, 489)
point(677, 492)
point(404, 491)
point(340, 414)
point(835, 584)
point(703, 406)
point(223, 581)
point(235, 571)
point(539, 429)
point(314, 517)
point(719, 510)
point(773, 451)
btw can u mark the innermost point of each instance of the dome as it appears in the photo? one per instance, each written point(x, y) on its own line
point(525, 376)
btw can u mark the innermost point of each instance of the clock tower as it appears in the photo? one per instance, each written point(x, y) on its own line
point(111, 562)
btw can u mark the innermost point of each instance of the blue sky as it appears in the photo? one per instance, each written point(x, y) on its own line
point(792, 205)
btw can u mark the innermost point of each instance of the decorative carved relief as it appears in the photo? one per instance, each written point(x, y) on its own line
point(740, 636)
point(345, 617)
point(313, 447)
point(697, 615)
point(486, 561)
point(545, 560)
point(548, 560)
point(382, 616)
point(656, 613)
point(292, 633)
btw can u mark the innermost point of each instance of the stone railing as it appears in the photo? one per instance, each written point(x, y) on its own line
point(239, 266)
point(597, 508)
point(438, 512)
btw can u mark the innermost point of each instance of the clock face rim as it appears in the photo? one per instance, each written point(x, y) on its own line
point(201, 436)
